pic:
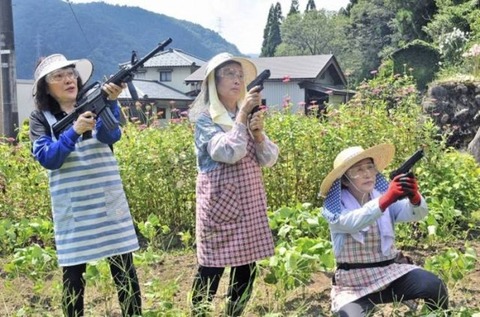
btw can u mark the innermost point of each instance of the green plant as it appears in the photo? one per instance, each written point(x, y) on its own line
point(34, 262)
point(302, 248)
point(452, 265)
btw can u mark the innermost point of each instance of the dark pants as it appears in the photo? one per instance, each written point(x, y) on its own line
point(416, 284)
point(205, 286)
point(124, 275)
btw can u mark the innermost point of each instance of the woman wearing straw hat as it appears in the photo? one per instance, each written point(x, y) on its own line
point(231, 223)
point(361, 208)
point(91, 216)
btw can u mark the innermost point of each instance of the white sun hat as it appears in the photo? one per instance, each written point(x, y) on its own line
point(207, 100)
point(57, 61)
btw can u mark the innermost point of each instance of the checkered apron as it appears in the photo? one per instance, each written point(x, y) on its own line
point(231, 222)
point(354, 284)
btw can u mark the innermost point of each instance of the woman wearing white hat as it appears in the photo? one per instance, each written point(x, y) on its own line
point(91, 216)
point(231, 222)
point(362, 208)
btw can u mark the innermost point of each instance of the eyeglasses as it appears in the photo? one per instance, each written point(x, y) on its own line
point(62, 74)
point(363, 170)
point(231, 74)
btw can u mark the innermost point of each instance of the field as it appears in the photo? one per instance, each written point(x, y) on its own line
point(166, 286)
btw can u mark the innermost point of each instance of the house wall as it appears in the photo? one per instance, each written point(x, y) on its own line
point(178, 77)
point(25, 101)
point(276, 93)
point(327, 79)
point(336, 99)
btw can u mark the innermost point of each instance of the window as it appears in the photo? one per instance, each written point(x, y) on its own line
point(140, 75)
point(166, 75)
point(161, 112)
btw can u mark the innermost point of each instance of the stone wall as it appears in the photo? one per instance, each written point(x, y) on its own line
point(455, 108)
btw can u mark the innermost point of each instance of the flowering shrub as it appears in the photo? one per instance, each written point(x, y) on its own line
point(452, 45)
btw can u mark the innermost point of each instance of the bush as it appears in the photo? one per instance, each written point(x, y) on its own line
point(158, 165)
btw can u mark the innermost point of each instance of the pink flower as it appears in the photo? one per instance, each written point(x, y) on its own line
point(286, 78)
point(301, 103)
point(373, 72)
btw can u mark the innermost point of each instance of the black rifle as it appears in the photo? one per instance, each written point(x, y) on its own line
point(408, 164)
point(258, 81)
point(93, 98)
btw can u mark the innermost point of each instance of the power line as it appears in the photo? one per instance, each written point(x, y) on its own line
point(78, 23)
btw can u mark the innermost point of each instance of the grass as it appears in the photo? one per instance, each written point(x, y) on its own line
point(166, 288)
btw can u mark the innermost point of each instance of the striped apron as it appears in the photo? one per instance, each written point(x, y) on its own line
point(90, 211)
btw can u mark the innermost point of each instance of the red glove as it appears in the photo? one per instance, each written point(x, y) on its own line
point(410, 186)
point(395, 191)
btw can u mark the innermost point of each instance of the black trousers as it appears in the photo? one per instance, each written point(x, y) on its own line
point(207, 279)
point(126, 281)
point(416, 284)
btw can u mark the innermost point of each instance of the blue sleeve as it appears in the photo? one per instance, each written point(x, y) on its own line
point(51, 154)
point(109, 136)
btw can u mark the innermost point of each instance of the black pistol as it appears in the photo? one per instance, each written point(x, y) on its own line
point(258, 81)
point(408, 164)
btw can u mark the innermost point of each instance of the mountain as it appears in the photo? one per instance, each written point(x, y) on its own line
point(105, 34)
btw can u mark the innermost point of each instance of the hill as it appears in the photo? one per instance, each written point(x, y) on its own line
point(103, 33)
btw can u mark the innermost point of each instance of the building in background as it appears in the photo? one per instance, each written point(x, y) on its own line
point(162, 92)
point(301, 81)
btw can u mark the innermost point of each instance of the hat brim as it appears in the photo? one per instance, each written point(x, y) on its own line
point(381, 154)
point(83, 66)
point(248, 67)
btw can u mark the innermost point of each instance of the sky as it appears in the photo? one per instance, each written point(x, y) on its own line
point(240, 22)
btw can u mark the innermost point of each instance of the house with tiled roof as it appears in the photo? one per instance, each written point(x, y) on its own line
point(160, 86)
point(300, 80)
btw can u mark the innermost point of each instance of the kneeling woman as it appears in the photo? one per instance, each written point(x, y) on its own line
point(362, 208)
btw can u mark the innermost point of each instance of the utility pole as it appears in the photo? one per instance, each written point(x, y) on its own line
point(8, 78)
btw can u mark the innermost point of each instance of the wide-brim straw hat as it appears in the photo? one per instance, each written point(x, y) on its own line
point(381, 154)
point(53, 62)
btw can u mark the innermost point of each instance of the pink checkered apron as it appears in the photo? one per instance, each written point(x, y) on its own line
point(354, 284)
point(231, 221)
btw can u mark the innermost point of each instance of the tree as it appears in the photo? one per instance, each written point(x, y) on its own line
point(271, 34)
point(312, 33)
point(411, 16)
point(293, 8)
point(369, 32)
point(310, 6)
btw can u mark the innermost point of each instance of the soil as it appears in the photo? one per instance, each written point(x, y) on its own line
point(175, 273)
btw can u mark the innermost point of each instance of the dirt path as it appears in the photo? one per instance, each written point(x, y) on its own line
point(175, 275)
